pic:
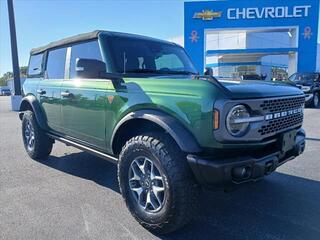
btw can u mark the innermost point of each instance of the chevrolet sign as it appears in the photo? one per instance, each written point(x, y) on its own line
point(207, 15)
point(268, 12)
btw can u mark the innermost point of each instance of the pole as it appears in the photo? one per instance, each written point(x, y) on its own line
point(14, 50)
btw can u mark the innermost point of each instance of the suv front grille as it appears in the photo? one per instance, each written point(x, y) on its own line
point(280, 124)
point(288, 112)
point(282, 104)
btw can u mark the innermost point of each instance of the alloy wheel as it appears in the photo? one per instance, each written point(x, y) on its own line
point(29, 136)
point(147, 184)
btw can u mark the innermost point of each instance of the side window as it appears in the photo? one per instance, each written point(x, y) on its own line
point(171, 60)
point(35, 64)
point(56, 63)
point(89, 50)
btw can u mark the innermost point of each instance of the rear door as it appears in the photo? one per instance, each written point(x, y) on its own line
point(83, 105)
point(49, 89)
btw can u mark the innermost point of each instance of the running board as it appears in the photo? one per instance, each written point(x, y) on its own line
point(84, 148)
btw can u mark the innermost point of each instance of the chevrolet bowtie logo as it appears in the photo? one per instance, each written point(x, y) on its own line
point(207, 15)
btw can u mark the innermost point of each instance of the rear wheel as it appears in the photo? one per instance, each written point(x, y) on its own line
point(37, 144)
point(156, 183)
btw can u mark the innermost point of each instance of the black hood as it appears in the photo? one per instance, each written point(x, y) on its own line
point(260, 89)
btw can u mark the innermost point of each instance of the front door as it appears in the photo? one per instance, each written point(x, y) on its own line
point(83, 110)
point(83, 101)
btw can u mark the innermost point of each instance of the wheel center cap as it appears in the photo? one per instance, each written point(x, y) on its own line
point(147, 182)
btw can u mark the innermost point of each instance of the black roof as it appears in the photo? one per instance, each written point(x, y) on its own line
point(69, 40)
point(86, 37)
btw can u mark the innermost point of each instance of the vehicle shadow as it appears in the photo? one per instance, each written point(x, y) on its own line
point(88, 167)
point(279, 207)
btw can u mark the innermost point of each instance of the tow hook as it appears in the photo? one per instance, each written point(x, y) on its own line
point(299, 149)
point(269, 167)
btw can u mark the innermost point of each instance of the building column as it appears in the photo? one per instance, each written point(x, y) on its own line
point(292, 64)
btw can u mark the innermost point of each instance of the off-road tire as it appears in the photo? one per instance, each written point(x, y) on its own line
point(42, 143)
point(182, 191)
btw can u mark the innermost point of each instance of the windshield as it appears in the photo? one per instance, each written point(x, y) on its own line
point(133, 55)
point(304, 77)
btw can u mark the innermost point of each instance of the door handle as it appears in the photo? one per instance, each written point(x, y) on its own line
point(66, 94)
point(41, 92)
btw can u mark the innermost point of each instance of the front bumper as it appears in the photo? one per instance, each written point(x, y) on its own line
point(226, 173)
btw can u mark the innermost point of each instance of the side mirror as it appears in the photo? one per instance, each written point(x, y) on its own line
point(208, 71)
point(90, 68)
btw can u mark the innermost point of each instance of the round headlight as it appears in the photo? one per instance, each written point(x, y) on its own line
point(235, 126)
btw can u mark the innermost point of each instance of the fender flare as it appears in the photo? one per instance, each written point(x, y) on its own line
point(36, 107)
point(185, 140)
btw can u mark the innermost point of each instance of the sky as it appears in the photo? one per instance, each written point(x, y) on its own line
point(39, 22)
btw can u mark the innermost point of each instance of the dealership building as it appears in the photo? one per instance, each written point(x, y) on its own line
point(241, 37)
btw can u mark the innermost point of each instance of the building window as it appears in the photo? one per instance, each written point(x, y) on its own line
point(169, 60)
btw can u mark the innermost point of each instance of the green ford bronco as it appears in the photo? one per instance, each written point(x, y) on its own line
point(139, 102)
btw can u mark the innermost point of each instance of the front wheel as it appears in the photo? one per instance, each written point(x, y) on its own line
point(37, 144)
point(156, 183)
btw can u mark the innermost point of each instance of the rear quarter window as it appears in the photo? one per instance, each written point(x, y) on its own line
point(35, 65)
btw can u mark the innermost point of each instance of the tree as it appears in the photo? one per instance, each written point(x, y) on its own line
point(9, 75)
point(2, 82)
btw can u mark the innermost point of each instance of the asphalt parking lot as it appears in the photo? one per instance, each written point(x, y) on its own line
point(74, 195)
